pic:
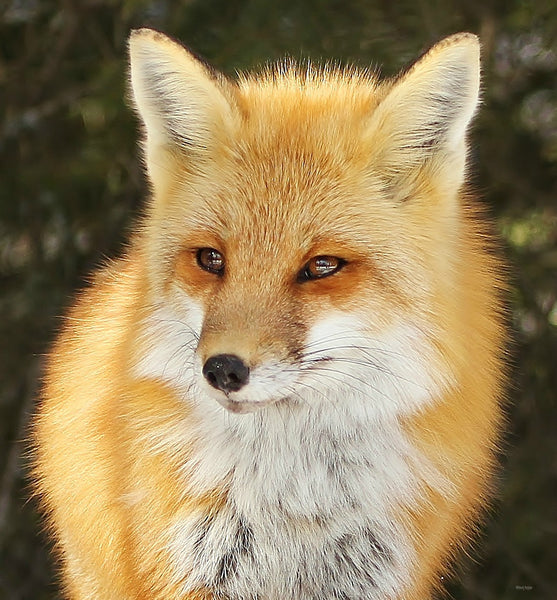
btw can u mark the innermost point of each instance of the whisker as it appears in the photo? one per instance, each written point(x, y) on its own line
point(313, 389)
point(186, 326)
point(361, 348)
point(376, 366)
point(346, 377)
point(181, 349)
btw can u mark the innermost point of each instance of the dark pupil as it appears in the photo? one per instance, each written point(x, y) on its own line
point(322, 265)
point(211, 259)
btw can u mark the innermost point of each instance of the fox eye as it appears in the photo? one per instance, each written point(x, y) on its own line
point(319, 267)
point(210, 260)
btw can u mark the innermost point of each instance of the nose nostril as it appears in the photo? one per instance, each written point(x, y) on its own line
point(226, 372)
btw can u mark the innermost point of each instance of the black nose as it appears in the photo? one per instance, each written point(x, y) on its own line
point(226, 372)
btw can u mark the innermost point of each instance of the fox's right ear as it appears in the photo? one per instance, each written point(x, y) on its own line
point(181, 101)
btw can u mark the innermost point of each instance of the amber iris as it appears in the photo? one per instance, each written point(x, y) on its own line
point(210, 260)
point(320, 266)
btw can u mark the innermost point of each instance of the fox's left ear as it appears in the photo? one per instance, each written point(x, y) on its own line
point(183, 103)
point(428, 108)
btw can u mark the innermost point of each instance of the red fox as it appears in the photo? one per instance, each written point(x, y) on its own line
point(290, 387)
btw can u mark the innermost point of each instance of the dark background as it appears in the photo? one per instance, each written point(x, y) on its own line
point(71, 185)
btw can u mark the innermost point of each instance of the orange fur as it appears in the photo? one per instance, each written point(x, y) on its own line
point(272, 172)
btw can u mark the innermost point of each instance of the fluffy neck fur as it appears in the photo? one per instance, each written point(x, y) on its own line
point(311, 501)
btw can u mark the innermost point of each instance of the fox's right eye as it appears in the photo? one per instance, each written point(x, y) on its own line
point(210, 260)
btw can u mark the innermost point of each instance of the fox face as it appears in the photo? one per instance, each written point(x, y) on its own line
point(302, 226)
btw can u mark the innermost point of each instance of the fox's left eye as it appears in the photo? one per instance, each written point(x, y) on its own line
point(319, 267)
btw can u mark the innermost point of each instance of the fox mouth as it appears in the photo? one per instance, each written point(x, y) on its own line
point(241, 406)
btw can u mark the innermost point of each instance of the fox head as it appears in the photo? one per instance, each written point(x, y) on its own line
point(303, 237)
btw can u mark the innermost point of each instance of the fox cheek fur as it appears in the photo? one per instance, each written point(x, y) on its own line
point(290, 387)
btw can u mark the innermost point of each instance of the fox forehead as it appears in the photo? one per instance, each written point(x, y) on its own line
point(297, 148)
point(272, 201)
point(293, 107)
point(308, 184)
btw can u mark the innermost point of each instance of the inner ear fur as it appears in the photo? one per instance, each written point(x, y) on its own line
point(427, 109)
point(180, 99)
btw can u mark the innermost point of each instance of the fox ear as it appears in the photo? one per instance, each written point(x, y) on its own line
point(427, 109)
point(180, 100)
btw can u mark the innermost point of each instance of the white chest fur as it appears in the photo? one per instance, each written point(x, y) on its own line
point(310, 510)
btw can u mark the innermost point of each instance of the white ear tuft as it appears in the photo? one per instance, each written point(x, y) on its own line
point(180, 100)
point(429, 107)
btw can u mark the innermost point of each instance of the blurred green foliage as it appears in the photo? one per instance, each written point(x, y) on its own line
point(71, 184)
